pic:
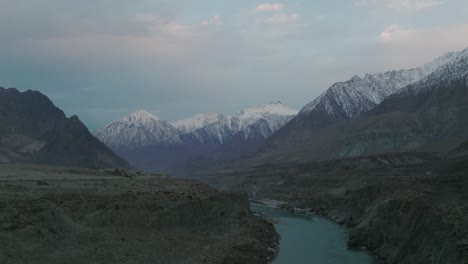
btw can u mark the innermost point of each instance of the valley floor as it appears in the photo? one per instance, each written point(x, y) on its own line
point(61, 215)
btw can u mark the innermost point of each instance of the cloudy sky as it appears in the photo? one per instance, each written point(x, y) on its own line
point(101, 59)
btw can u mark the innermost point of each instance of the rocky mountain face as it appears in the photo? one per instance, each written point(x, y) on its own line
point(427, 115)
point(251, 123)
point(153, 144)
point(197, 122)
point(34, 130)
point(139, 129)
point(239, 135)
point(345, 100)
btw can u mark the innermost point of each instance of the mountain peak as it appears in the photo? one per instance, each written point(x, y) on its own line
point(196, 122)
point(465, 51)
point(272, 108)
point(353, 97)
point(141, 118)
point(201, 136)
point(142, 115)
point(140, 128)
point(251, 115)
point(274, 102)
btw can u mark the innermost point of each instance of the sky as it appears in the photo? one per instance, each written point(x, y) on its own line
point(102, 59)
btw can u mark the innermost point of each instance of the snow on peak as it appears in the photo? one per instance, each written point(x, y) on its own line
point(262, 120)
point(196, 122)
point(358, 95)
point(138, 129)
point(141, 128)
point(440, 61)
point(261, 111)
point(455, 68)
point(140, 116)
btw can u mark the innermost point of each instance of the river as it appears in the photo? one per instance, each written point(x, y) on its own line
point(311, 240)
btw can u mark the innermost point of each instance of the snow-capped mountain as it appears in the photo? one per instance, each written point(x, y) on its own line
point(456, 68)
point(199, 121)
point(139, 129)
point(261, 120)
point(274, 113)
point(152, 144)
point(422, 108)
point(344, 100)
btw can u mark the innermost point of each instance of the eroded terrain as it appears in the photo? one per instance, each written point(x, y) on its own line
point(58, 215)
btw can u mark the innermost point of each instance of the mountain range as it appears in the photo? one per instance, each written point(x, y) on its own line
point(151, 143)
point(395, 111)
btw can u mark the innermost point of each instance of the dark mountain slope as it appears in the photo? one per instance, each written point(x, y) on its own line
point(34, 130)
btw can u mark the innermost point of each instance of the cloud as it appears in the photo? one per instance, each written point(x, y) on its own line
point(409, 46)
point(158, 25)
point(279, 19)
point(395, 32)
point(216, 20)
point(280, 15)
point(320, 17)
point(270, 7)
point(401, 5)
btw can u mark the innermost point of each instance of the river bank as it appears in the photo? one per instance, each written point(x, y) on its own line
point(410, 214)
